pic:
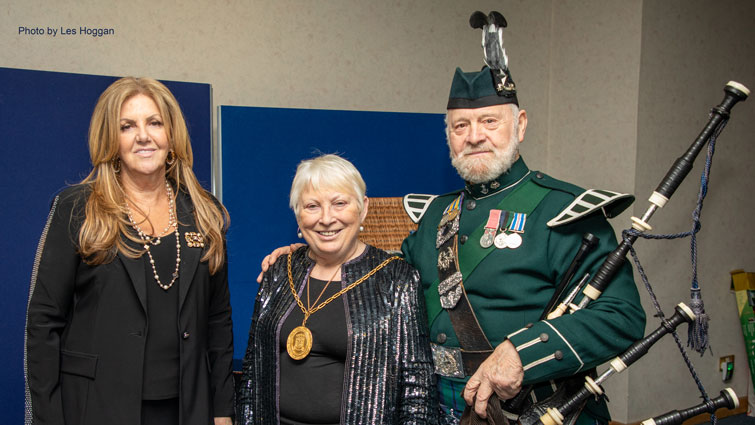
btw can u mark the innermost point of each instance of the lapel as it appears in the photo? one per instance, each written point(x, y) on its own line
point(189, 256)
point(136, 271)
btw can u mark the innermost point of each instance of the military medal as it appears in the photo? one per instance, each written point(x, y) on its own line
point(487, 238)
point(494, 218)
point(514, 239)
point(501, 241)
point(299, 342)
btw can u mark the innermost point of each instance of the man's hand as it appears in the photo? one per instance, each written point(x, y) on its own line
point(501, 373)
point(223, 421)
point(269, 259)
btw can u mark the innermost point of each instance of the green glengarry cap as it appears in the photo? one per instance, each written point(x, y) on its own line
point(470, 90)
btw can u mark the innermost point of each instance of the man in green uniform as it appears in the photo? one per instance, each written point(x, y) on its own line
point(492, 242)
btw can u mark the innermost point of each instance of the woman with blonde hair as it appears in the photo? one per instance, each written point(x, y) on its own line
point(129, 318)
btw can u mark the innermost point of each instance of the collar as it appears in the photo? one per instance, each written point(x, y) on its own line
point(514, 175)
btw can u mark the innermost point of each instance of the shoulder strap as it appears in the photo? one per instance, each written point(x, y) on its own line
point(416, 205)
point(612, 203)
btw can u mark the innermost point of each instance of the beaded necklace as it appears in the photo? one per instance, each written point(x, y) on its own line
point(149, 240)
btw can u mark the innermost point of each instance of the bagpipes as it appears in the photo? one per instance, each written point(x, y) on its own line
point(555, 415)
point(727, 399)
point(570, 398)
point(734, 93)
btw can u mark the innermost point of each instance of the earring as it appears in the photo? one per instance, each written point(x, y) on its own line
point(116, 164)
point(171, 157)
point(298, 233)
point(361, 228)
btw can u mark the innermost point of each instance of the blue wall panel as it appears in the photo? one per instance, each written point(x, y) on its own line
point(397, 153)
point(44, 121)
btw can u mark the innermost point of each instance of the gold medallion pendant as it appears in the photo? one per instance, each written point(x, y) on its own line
point(299, 343)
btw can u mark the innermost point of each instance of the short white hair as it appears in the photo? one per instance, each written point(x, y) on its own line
point(327, 172)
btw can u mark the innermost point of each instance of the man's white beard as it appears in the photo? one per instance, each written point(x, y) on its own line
point(476, 170)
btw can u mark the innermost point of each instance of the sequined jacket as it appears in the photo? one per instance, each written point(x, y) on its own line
point(390, 382)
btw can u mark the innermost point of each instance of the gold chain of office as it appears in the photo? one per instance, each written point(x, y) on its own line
point(299, 341)
point(337, 294)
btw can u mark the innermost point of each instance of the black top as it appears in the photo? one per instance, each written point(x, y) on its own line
point(92, 319)
point(311, 388)
point(161, 358)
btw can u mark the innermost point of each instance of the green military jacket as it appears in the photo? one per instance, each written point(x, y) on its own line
point(509, 288)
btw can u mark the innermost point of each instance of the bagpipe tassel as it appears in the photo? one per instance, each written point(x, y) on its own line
point(697, 337)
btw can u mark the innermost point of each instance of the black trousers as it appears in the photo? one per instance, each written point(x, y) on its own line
point(160, 412)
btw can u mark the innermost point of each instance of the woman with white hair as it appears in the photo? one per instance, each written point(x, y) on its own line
point(338, 333)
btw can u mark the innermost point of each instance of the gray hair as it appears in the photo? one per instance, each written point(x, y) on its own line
point(327, 172)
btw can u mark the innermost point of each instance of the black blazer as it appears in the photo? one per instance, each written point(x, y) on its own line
point(87, 326)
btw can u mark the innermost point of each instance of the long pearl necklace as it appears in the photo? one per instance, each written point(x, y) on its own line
point(149, 240)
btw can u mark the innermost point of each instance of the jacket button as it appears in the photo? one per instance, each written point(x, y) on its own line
point(558, 355)
point(539, 175)
point(463, 239)
point(441, 338)
point(471, 204)
point(544, 337)
point(185, 335)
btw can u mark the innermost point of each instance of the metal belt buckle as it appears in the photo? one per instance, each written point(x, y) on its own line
point(448, 361)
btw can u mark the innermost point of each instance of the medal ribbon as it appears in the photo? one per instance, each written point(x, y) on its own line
point(454, 205)
point(504, 221)
point(491, 227)
point(517, 223)
point(493, 219)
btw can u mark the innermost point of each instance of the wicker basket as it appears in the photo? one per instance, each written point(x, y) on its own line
point(386, 224)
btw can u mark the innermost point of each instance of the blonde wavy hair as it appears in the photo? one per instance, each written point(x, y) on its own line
point(105, 212)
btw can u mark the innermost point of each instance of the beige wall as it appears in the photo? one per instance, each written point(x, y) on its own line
point(592, 96)
point(285, 53)
point(615, 90)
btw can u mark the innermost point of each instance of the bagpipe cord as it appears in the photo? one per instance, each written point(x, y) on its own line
point(698, 331)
